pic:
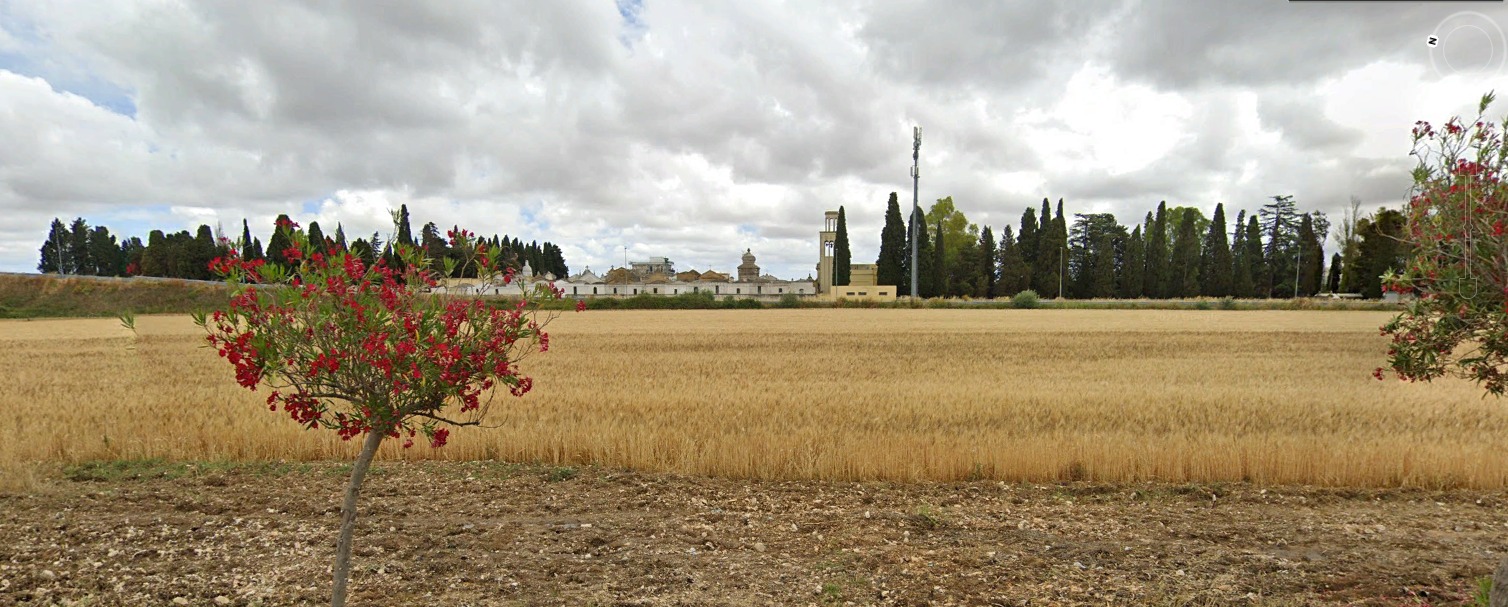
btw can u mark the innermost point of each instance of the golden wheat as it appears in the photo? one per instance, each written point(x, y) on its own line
point(1114, 395)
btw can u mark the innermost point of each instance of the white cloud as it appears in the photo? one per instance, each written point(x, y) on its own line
point(709, 129)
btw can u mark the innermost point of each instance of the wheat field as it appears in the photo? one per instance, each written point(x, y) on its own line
point(1271, 397)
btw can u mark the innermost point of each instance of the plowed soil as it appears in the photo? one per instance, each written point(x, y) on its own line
point(486, 533)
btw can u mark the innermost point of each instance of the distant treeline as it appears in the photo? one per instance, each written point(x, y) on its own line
point(1173, 253)
point(79, 249)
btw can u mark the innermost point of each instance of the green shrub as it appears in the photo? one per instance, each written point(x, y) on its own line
point(1026, 300)
point(789, 300)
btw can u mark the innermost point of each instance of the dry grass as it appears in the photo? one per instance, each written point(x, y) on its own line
point(1115, 395)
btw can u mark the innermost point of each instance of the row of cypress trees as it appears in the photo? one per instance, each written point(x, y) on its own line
point(1173, 253)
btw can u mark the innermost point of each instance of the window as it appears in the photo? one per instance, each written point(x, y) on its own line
point(657, 290)
point(594, 290)
point(615, 290)
point(738, 291)
point(782, 289)
point(636, 291)
point(573, 290)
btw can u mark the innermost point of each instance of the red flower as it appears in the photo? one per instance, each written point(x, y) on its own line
point(439, 438)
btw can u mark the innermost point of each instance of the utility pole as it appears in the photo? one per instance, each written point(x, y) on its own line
point(916, 151)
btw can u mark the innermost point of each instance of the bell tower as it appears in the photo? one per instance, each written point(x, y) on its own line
point(827, 240)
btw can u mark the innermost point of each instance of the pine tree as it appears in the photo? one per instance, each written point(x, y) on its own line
point(78, 260)
point(405, 233)
point(890, 267)
point(989, 273)
point(1133, 266)
point(1157, 281)
point(155, 257)
point(54, 250)
point(1280, 223)
point(1015, 276)
point(105, 252)
point(1215, 258)
point(842, 256)
point(1183, 264)
point(131, 250)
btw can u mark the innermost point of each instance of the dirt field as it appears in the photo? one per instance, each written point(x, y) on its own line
point(482, 533)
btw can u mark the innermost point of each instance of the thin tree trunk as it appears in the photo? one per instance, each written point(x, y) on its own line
point(348, 517)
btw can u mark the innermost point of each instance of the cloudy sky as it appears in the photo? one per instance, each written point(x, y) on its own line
point(694, 130)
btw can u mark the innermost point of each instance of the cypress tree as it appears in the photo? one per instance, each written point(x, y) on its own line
point(1156, 280)
point(1133, 266)
point(363, 250)
point(405, 233)
point(1015, 276)
point(842, 257)
point(1310, 258)
point(1240, 273)
point(317, 238)
point(434, 246)
point(203, 251)
point(989, 272)
point(1334, 279)
point(1052, 240)
point(340, 236)
point(926, 277)
point(245, 243)
point(1256, 267)
point(1215, 259)
point(279, 241)
point(890, 267)
point(1184, 262)
point(1102, 269)
point(1026, 241)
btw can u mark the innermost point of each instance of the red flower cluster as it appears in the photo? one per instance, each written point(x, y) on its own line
point(379, 355)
